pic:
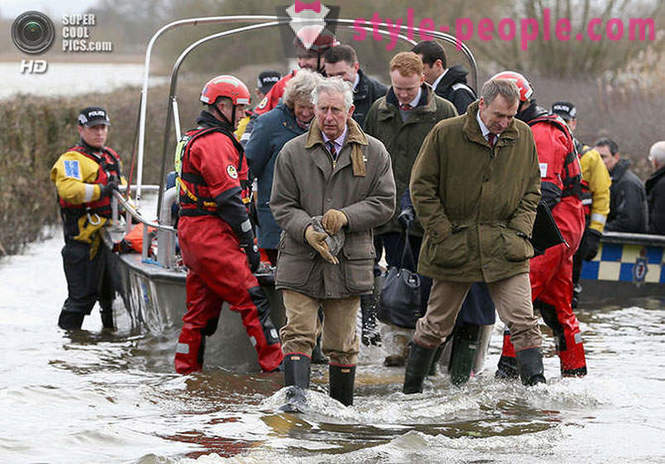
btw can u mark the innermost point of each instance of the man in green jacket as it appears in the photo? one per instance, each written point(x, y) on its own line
point(401, 120)
point(475, 187)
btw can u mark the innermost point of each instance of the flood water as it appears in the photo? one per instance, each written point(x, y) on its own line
point(113, 398)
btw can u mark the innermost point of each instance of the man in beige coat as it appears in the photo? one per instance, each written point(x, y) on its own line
point(337, 172)
point(475, 187)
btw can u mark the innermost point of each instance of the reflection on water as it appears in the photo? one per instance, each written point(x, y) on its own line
point(112, 397)
point(67, 79)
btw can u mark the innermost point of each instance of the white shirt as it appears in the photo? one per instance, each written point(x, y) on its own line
point(356, 82)
point(438, 79)
point(484, 129)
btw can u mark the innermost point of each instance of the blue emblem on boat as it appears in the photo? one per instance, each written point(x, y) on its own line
point(640, 269)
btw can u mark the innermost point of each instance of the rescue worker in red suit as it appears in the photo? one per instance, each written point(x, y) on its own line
point(85, 177)
point(308, 58)
point(215, 233)
point(551, 273)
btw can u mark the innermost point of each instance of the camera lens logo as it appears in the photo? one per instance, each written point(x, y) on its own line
point(33, 32)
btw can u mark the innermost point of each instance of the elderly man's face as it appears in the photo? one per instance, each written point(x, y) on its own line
point(609, 159)
point(498, 115)
point(331, 114)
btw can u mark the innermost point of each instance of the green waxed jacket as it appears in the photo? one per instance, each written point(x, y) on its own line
point(403, 139)
point(477, 204)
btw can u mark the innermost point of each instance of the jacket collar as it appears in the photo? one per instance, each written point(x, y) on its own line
point(620, 169)
point(355, 137)
point(473, 133)
point(289, 119)
point(654, 178)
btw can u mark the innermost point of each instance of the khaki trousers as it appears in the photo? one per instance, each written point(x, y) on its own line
point(340, 341)
point(512, 298)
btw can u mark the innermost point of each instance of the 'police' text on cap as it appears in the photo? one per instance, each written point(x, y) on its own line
point(93, 116)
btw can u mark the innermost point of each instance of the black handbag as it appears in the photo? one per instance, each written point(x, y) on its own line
point(400, 301)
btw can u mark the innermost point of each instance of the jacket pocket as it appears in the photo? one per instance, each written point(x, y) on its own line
point(358, 265)
point(515, 248)
point(294, 262)
point(453, 251)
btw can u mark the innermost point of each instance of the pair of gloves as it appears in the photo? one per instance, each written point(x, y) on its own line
point(332, 221)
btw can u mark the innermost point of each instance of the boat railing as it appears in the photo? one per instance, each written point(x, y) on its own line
point(633, 239)
point(166, 233)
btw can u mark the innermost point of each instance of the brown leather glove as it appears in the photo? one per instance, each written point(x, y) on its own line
point(334, 220)
point(318, 241)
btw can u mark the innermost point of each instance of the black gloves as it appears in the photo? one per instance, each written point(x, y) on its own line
point(590, 244)
point(246, 240)
point(406, 217)
point(107, 190)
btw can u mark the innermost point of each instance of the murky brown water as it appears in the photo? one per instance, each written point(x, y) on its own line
point(113, 398)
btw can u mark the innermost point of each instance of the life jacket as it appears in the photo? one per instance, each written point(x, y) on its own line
point(572, 172)
point(189, 183)
point(109, 165)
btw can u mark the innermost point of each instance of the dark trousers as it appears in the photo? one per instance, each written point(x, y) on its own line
point(87, 279)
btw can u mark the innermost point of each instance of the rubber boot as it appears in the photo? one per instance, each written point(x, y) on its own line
point(435, 360)
point(507, 367)
point(465, 346)
point(70, 320)
point(370, 333)
point(296, 380)
point(106, 313)
point(417, 367)
point(342, 379)
point(189, 351)
point(530, 365)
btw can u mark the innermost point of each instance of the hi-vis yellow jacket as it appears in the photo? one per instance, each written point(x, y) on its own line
point(78, 176)
point(596, 176)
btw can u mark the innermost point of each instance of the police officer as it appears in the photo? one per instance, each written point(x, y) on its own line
point(85, 177)
point(215, 233)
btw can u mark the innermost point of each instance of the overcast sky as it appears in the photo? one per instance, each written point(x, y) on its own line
point(52, 8)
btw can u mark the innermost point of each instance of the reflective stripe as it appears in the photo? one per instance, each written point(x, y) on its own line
point(182, 348)
point(252, 340)
point(599, 218)
point(89, 192)
point(587, 201)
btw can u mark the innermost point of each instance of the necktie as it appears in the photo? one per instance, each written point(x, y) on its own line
point(491, 138)
point(331, 148)
point(405, 107)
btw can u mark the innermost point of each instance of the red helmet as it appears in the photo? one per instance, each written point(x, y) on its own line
point(225, 86)
point(526, 91)
point(320, 39)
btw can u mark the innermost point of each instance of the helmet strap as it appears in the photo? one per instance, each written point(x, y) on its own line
point(223, 117)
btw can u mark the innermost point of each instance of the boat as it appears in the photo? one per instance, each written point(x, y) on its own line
point(152, 286)
point(627, 266)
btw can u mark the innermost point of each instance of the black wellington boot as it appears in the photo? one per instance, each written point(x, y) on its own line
point(466, 340)
point(342, 379)
point(417, 367)
point(70, 320)
point(435, 360)
point(530, 365)
point(296, 380)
